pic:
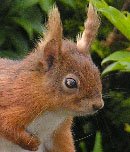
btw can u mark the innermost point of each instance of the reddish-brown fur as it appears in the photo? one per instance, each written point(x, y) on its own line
point(33, 85)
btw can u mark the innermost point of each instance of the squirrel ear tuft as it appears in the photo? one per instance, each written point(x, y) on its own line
point(54, 27)
point(92, 24)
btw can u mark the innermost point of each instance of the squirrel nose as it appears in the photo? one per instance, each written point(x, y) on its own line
point(98, 106)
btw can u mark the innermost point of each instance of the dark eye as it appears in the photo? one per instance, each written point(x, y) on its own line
point(70, 83)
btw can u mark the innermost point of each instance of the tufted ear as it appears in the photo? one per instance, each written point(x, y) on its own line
point(53, 39)
point(85, 40)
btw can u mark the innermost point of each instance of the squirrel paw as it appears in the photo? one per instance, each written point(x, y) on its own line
point(30, 142)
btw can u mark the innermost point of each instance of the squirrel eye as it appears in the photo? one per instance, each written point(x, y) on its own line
point(70, 83)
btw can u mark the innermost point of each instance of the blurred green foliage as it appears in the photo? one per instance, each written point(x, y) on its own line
point(121, 61)
point(21, 21)
point(22, 24)
point(127, 127)
point(98, 143)
point(119, 19)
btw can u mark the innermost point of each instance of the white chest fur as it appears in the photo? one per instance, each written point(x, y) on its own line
point(43, 127)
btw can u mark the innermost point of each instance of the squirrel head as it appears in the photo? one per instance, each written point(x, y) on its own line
point(70, 80)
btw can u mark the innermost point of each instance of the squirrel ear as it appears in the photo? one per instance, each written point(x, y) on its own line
point(53, 38)
point(51, 54)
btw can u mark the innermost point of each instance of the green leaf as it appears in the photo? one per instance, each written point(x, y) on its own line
point(36, 20)
point(23, 4)
point(46, 4)
point(127, 127)
point(18, 41)
point(99, 3)
point(117, 56)
point(25, 24)
point(122, 62)
point(83, 146)
point(98, 144)
point(117, 18)
point(70, 3)
point(34, 17)
point(122, 66)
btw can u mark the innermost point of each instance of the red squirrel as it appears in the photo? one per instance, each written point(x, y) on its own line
point(40, 95)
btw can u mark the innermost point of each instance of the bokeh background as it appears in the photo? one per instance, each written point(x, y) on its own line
point(22, 24)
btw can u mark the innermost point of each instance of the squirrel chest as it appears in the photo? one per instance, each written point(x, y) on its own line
point(43, 127)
